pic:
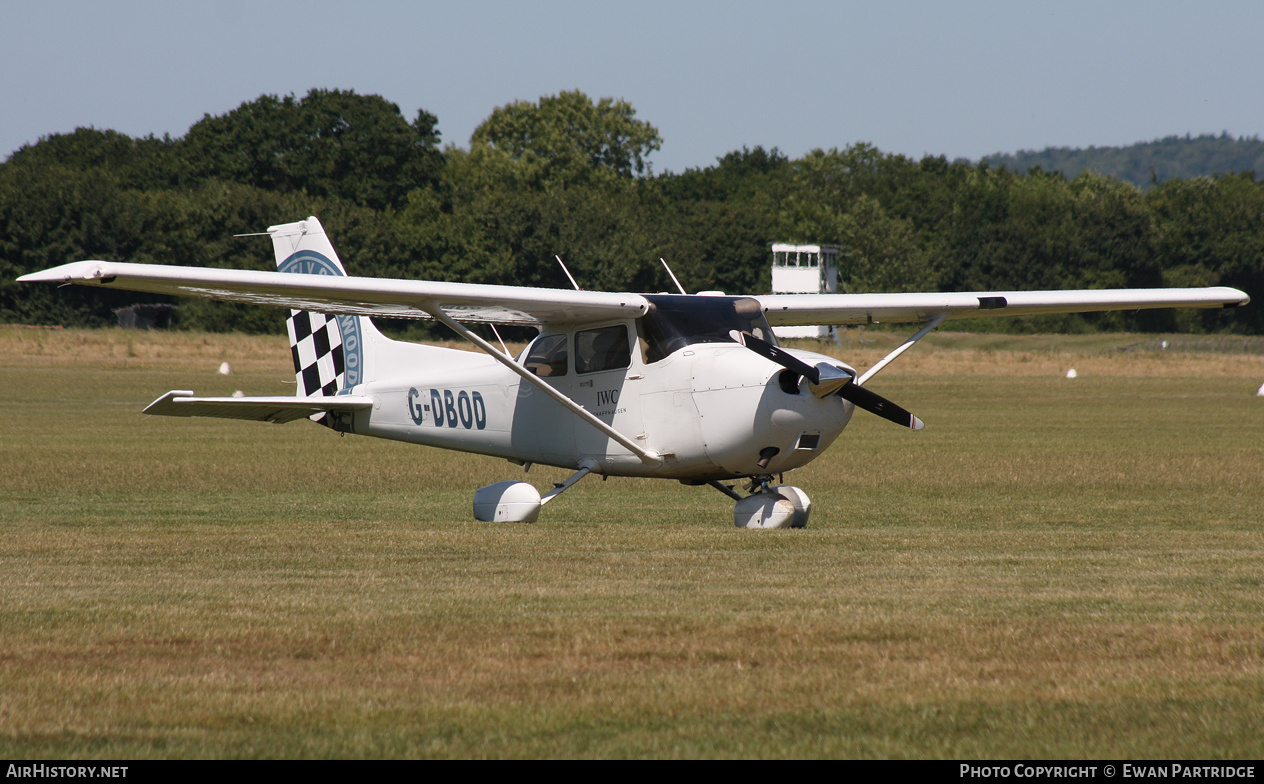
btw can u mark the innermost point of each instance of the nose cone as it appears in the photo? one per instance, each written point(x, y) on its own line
point(749, 409)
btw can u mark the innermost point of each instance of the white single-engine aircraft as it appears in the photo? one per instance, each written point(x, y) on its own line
point(691, 388)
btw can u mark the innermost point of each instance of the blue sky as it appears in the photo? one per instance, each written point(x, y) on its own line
point(962, 79)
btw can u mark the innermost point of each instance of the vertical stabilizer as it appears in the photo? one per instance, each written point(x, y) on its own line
point(331, 353)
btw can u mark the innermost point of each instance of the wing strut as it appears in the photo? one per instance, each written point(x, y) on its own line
point(905, 346)
point(647, 457)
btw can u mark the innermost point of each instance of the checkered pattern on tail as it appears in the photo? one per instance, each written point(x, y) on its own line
point(319, 360)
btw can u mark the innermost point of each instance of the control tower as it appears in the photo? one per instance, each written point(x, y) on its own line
point(804, 269)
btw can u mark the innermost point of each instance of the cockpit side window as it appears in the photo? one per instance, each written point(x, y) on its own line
point(547, 356)
point(605, 348)
point(674, 322)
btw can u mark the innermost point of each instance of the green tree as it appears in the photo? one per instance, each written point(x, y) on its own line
point(332, 143)
point(565, 139)
point(739, 175)
point(144, 163)
point(719, 245)
point(569, 175)
point(1211, 231)
point(880, 252)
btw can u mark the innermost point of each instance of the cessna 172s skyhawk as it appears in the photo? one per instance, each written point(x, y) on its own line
point(691, 388)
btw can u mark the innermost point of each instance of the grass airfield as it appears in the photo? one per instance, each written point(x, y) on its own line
point(1053, 568)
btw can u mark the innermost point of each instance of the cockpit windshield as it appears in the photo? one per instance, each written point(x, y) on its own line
point(674, 322)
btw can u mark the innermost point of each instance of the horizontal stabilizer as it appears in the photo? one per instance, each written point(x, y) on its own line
point(280, 410)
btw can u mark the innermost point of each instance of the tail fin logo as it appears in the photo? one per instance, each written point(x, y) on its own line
point(328, 350)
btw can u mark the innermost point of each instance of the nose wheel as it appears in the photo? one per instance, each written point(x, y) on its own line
point(769, 505)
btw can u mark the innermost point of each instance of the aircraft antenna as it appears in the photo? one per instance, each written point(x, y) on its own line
point(568, 273)
point(679, 287)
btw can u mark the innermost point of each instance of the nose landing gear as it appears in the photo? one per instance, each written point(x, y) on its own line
point(768, 505)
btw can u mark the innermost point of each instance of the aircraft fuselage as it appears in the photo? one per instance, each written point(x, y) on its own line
point(707, 410)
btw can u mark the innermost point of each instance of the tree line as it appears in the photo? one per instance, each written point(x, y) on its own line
point(569, 175)
point(1146, 164)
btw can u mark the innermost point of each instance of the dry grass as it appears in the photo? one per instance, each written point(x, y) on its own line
point(1053, 568)
point(25, 346)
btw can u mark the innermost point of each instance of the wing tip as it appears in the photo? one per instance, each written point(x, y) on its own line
point(91, 269)
point(160, 406)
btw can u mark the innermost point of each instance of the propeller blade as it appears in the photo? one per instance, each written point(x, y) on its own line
point(827, 380)
point(877, 404)
point(772, 353)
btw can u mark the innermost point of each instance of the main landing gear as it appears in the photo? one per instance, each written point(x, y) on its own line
point(520, 502)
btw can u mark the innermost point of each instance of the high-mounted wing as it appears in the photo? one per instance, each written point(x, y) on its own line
point(354, 296)
point(396, 298)
point(785, 310)
point(280, 410)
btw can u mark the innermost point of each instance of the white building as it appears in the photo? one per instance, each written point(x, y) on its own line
point(804, 269)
